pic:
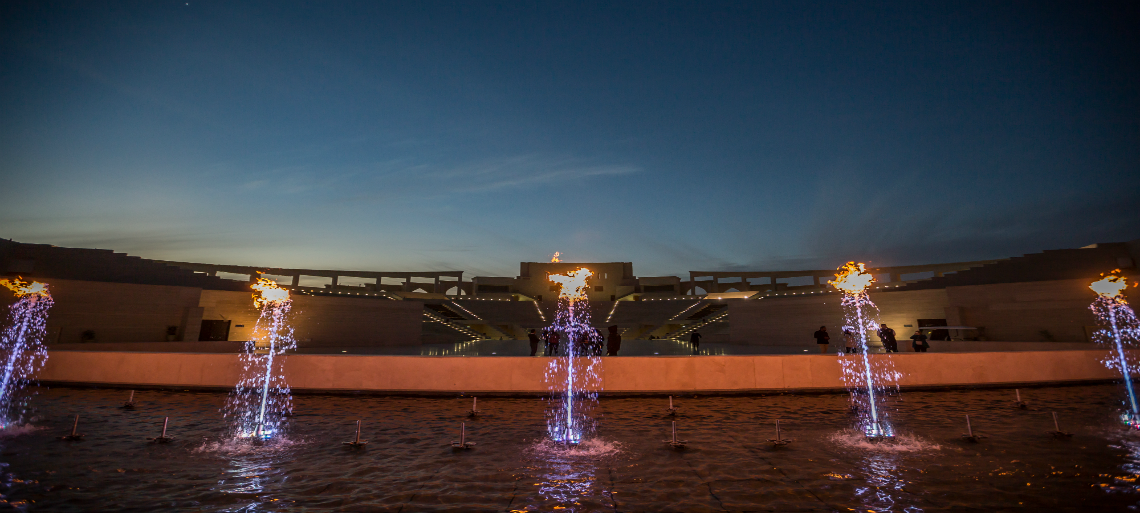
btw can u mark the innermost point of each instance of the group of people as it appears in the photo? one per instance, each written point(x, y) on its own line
point(591, 346)
point(886, 335)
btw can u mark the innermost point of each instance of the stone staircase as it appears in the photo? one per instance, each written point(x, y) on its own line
point(45, 262)
point(1057, 264)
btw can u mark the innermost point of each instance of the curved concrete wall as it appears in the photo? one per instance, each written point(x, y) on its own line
point(523, 375)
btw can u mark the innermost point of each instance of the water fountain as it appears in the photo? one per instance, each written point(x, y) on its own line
point(261, 400)
point(21, 345)
point(572, 377)
point(1113, 311)
point(866, 378)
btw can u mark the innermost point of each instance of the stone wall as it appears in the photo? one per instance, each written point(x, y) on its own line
point(129, 313)
point(1033, 311)
point(1041, 311)
point(792, 320)
point(117, 312)
point(322, 321)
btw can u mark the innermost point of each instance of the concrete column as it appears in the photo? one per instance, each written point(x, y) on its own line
point(192, 323)
point(408, 284)
point(296, 280)
point(437, 291)
point(895, 277)
point(334, 280)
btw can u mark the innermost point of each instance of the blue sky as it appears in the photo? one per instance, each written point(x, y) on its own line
point(472, 136)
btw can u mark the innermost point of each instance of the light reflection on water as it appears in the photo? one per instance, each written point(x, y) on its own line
point(566, 476)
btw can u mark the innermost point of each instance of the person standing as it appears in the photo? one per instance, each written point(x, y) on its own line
point(918, 342)
point(887, 335)
point(695, 340)
point(533, 341)
point(613, 343)
point(849, 343)
point(552, 343)
point(822, 339)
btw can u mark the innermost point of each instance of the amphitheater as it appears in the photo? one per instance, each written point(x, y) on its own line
point(125, 320)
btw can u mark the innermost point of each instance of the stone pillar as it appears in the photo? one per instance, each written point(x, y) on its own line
point(436, 290)
point(895, 277)
point(296, 280)
point(192, 323)
point(334, 281)
point(408, 284)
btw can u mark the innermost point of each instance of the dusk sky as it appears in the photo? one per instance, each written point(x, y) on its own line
point(473, 135)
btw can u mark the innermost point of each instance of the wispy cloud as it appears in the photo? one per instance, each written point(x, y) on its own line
point(420, 181)
point(524, 170)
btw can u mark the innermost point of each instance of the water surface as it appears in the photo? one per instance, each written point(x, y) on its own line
point(727, 466)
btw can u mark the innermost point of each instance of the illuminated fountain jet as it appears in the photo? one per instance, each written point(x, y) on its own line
point(572, 375)
point(1113, 310)
point(261, 399)
point(21, 344)
point(866, 377)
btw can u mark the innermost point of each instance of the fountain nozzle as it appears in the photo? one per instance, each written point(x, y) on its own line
point(462, 443)
point(672, 409)
point(74, 436)
point(474, 408)
point(357, 443)
point(1019, 403)
point(970, 436)
point(162, 439)
point(675, 443)
point(1058, 434)
point(779, 440)
point(130, 404)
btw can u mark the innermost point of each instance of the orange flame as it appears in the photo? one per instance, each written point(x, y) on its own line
point(852, 278)
point(555, 259)
point(268, 292)
point(23, 288)
point(573, 284)
point(1111, 286)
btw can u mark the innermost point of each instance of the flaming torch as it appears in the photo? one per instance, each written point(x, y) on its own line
point(573, 388)
point(1112, 309)
point(262, 397)
point(853, 280)
point(22, 343)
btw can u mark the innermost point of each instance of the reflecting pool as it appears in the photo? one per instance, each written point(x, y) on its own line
point(728, 465)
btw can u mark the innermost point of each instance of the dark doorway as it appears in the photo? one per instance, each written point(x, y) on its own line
point(935, 334)
point(214, 331)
